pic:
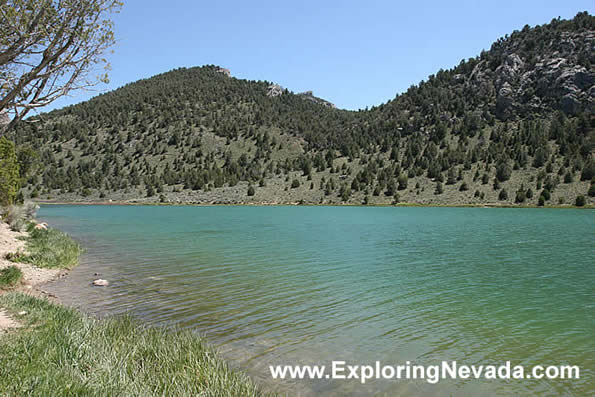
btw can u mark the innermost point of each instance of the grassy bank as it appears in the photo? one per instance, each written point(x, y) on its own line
point(63, 351)
point(49, 249)
point(10, 277)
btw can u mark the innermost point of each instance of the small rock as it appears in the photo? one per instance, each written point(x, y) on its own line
point(100, 283)
point(97, 274)
point(22, 313)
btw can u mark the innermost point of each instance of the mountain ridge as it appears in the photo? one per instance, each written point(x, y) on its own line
point(512, 125)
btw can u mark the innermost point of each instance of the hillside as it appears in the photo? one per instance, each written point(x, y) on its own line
point(511, 126)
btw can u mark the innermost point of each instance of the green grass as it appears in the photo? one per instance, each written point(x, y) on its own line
point(50, 249)
point(61, 351)
point(10, 277)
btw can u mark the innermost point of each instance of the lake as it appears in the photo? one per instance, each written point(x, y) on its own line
point(307, 285)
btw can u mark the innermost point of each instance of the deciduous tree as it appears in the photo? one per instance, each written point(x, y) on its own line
point(49, 48)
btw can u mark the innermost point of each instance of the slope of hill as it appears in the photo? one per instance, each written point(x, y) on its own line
point(511, 126)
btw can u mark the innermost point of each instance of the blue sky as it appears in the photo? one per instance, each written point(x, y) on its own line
point(352, 53)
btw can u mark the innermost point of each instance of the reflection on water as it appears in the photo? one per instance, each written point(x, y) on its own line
point(306, 285)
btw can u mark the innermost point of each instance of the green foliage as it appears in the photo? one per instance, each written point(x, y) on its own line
point(196, 130)
point(580, 201)
point(503, 171)
point(295, 183)
point(521, 196)
point(402, 181)
point(50, 249)
point(251, 190)
point(568, 177)
point(10, 277)
point(503, 195)
point(541, 201)
point(588, 172)
point(592, 190)
point(344, 192)
point(28, 160)
point(60, 350)
point(150, 191)
point(9, 172)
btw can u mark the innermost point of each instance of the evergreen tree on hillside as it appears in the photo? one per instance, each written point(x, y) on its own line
point(9, 172)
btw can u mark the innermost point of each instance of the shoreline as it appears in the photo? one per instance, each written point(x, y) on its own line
point(33, 277)
point(39, 321)
point(296, 204)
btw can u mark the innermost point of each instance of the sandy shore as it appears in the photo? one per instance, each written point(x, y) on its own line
point(32, 276)
point(10, 242)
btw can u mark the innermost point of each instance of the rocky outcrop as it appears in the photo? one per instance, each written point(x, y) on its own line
point(554, 79)
point(309, 95)
point(224, 71)
point(274, 90)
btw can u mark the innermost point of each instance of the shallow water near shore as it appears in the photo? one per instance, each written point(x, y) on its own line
point(307, 285)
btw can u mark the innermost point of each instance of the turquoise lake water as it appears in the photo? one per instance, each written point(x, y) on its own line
point(307, 285)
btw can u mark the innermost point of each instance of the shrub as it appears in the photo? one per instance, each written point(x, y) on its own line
point(592, 190)
point(580, 201)
point(439, 188)
point(520, 196)
point(295, 184)
point(463, 187)
point(150, 191)
point(17, 216)
point(503, 171)
point(503, 195)
point(541, 201)
point(9, 172)
point(10, 277)
point(390, 188)
point(251, 190)
point(568, 177)
point(588, 171)
point(402, 181)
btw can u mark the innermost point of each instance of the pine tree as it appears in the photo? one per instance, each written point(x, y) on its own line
point(9, 172)
point(503, 195)
point(580, 201)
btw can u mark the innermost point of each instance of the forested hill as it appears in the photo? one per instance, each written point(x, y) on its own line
point(512, 126)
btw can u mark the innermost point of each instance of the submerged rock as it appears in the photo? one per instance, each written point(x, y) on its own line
point(100, 283)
